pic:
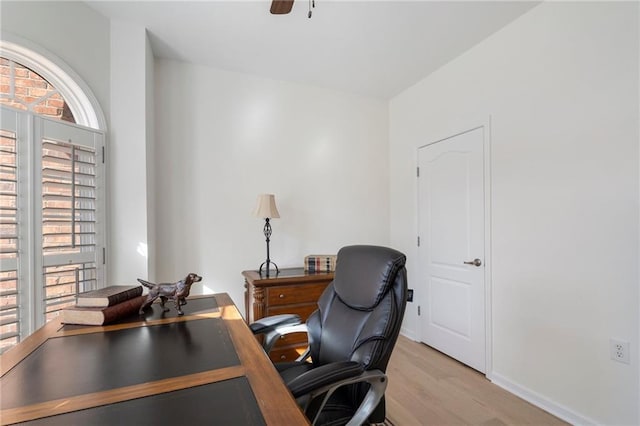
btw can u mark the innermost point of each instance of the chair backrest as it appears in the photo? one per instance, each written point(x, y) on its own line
point(360, 313)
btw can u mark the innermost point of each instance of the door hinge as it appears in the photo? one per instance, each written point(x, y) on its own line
point(417, 171)
point(104, 255)
point(103, 154)
point(418, 310)
point(418, 241)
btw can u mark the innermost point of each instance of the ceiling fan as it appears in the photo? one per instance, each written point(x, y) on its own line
point(282, 7)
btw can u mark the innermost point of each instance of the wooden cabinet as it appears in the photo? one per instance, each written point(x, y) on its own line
point(292, 291)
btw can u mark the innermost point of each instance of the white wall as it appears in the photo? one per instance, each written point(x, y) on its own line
point(113, 59)
point(150, 159)
point(223, 138)
point(127, 155)
point(561, 86)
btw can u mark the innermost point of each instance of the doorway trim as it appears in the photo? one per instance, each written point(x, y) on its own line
point(448, 131)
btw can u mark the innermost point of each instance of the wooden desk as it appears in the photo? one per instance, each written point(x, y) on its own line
point(292, 291)
point(203, 367)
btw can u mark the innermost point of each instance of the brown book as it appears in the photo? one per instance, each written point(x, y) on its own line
point(108, 296)
point(104, 315)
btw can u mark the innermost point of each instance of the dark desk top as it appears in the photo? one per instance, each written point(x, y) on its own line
point(229, 402)
point(205, 366)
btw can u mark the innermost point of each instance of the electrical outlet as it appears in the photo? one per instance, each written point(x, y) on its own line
point(619, 350)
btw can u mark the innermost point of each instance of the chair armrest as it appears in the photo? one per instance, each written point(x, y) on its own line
point(276, 326)
point(267, 324)
point(320, 377)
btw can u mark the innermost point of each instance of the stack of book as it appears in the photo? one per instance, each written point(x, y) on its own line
point(320, 263)
point(105, 305)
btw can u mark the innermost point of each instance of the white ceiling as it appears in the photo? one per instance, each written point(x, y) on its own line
point(372, 48)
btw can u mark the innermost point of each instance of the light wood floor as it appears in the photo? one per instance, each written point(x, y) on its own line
point(427, 387)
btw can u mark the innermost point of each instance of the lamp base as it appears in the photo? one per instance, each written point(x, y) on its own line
point(267, 263)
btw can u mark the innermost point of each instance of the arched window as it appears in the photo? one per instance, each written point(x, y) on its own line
point(52, 184)
point(23, 88)
point(76, 93)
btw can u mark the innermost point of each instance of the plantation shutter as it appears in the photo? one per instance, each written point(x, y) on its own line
point(71, 200)
point(9, 306)
point(52, 221)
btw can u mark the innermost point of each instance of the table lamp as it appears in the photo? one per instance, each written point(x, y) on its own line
point(266, 209)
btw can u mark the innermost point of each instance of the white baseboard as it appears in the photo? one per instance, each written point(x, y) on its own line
point(541, 401)
point(528, 395)
point(409, 334)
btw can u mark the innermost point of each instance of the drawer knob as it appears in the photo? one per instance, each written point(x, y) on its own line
point(281, 296)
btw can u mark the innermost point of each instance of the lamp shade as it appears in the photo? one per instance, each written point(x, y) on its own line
point(266, 207)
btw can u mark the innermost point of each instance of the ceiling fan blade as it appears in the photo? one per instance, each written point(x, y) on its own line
point(281, 7)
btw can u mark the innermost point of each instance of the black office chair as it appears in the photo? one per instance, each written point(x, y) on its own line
point(351, 337)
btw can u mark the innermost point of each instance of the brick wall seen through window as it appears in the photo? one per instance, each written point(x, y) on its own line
point(24, 89)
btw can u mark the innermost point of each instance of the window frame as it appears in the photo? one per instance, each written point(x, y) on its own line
point(29, 129)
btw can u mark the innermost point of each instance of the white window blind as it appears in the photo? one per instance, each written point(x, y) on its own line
point(9, 306)
point(68, 222)
point(52, 219)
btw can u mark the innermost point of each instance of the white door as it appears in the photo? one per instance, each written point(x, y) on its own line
point(451, 252)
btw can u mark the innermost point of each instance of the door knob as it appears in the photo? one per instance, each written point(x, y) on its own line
point(475, 262)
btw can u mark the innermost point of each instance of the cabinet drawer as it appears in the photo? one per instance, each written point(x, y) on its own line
point(293, 339)
point(285, 354)
point(303, 310)
point(291, 295)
